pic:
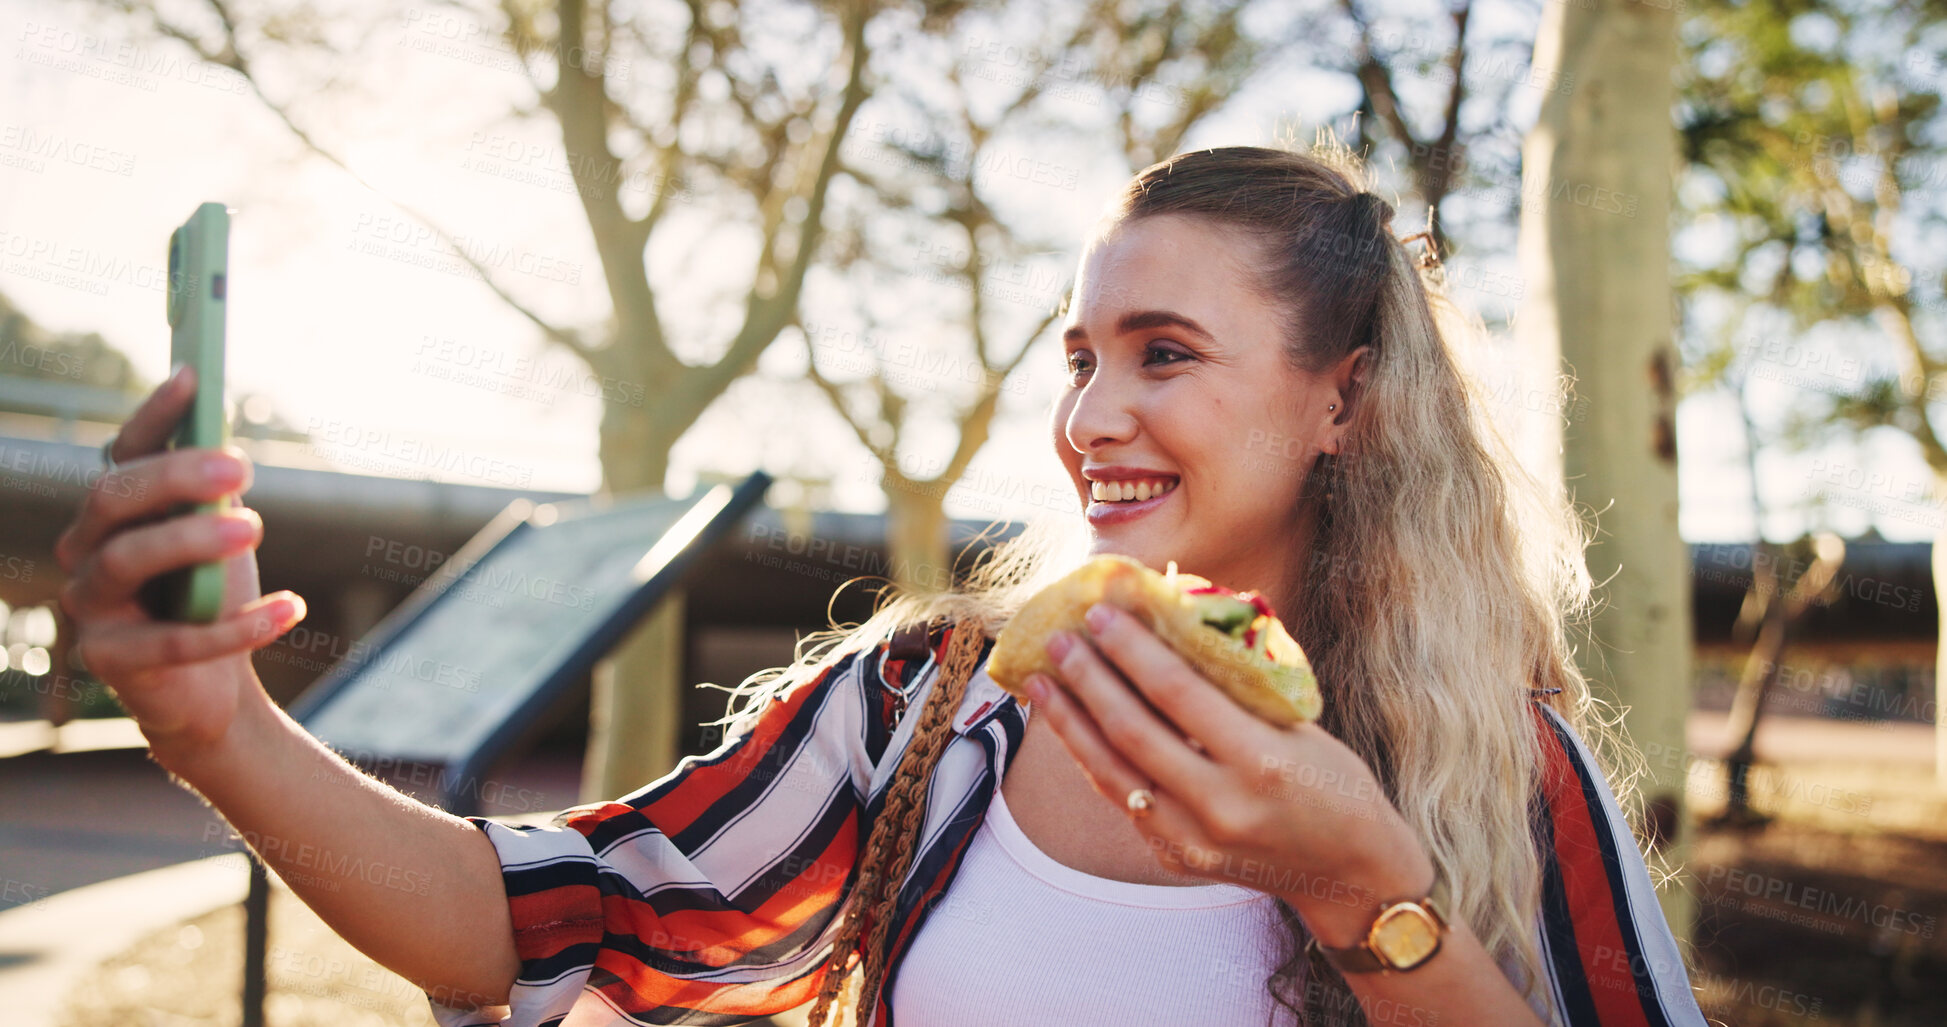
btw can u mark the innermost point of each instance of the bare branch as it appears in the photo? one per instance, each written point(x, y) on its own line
point(766, 316)
point(1436, 176)
point(232, 57)
point(1377, 79)
point(579, 101)
point(836, 393)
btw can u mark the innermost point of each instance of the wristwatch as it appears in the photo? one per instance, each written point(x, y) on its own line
point(1404, 935)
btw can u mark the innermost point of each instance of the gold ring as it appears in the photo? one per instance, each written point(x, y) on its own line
point(1140, 801)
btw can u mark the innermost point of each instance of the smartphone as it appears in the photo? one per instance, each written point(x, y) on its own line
point(199, 264)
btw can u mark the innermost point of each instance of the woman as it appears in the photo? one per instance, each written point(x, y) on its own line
point(1250, 349)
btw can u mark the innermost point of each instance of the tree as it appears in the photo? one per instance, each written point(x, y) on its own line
point(1595, 251)
point(1378, 60)
point(942, 197)
point(1811, 134)
point(1772, 608)
point(1160, 70)
point(734, 122)
point(1437, 94)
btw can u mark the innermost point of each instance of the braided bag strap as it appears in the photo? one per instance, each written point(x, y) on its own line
point(929, 738)
point(888, 852)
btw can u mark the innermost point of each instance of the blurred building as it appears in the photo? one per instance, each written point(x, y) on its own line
point(355, 545)
point(1868, 654)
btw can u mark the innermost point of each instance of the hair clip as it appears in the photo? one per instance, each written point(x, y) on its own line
point(1430, 253)
point(1428, 258)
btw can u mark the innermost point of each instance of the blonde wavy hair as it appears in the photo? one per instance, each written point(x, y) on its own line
point(1442, 579)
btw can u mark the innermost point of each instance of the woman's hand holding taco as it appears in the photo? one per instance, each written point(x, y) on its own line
point(1285, 809)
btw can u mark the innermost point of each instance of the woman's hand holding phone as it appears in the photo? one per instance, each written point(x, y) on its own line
point(193, 690)
point(181, 681)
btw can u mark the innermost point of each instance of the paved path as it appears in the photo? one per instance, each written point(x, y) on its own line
point(50, 945)
point(73, 819)
point(98, 848)
point(1808, 740)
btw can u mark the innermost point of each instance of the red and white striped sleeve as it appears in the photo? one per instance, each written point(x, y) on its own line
point(711, 894)
point(1610, 956)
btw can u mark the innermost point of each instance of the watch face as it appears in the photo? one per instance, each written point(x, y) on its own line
point(1405, 935)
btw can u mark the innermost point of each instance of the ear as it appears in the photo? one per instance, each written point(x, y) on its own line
point(1348, 378)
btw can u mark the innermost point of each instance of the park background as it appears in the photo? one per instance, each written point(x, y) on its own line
point(473, 263)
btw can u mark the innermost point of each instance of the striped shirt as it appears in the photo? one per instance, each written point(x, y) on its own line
point(712, 895)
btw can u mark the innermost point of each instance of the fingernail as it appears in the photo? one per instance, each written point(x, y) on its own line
point(1098, 616)
point(1059, 645)
point(222, 468)
point(1037, 687)
point(286, 610)
point(176, 372)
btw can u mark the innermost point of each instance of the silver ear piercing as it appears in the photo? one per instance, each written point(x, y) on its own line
point(1334, 406)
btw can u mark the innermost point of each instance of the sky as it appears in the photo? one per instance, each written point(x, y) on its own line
point(350, 319)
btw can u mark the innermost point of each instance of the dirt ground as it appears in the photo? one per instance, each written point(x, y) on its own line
point(1801, 925)
point(193, 974)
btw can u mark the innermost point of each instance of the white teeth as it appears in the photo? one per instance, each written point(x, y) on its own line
point(1126, 491)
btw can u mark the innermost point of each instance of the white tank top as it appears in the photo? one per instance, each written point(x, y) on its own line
point(1018, 938)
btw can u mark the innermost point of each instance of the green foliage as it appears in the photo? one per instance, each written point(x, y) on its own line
point(1812, 139)
point(28, 350)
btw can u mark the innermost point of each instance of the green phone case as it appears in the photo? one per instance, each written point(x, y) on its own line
point(199, 260)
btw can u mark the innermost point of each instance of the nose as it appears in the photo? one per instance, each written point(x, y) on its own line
point(1104, 413)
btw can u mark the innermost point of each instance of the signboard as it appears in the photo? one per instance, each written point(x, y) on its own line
point(456, 674)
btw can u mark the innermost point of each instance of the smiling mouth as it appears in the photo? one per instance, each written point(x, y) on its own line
point(1132, 490)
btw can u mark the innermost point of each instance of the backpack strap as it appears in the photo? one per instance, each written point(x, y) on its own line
point(912, 641)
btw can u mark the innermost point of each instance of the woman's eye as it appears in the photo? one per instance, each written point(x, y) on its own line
point(1156, 355)
point(1176, 356)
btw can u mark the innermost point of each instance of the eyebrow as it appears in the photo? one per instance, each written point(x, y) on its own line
point(1141, 321)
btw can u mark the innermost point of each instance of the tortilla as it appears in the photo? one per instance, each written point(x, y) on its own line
point(1270, 677)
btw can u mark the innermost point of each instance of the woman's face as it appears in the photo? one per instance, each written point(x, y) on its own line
point(1178, 388)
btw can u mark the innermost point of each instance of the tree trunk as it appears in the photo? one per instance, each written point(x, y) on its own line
point(1595, 251)
point(1940, 656)
point(1754, 687)
point(635, 715)
point(634, 454)
point(1783, 608)
point(916, 544)
point(635, 723)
